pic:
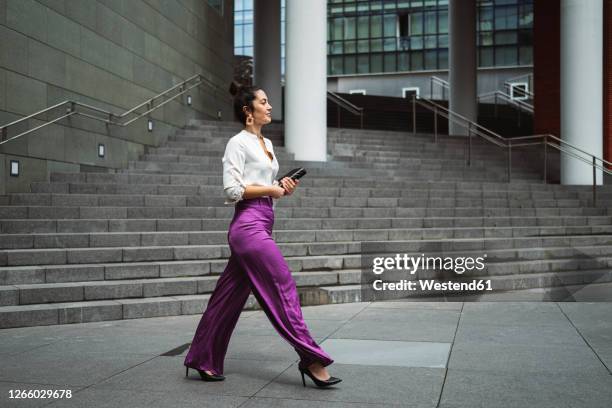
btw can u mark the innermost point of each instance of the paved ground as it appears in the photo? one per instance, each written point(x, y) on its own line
point(408, 354)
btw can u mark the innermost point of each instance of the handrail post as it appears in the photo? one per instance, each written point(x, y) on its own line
point(594, 182)
point(361, 118)
point(495, 105)
point(431, 88)
point(414, 113)
point(469, 160)
point(4, 133)
point(545, 158)
point(509, 160)
point(435, 124)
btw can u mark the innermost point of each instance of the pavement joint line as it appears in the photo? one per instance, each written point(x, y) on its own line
point(450, 351)
point(584, 339)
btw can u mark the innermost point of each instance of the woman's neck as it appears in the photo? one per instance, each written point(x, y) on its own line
point(255, 129)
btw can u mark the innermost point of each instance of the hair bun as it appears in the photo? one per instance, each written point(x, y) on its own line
point(235, 88)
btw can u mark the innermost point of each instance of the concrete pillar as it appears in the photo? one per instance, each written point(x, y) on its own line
point(306, 79)
point(581, 86)
point(462, 62)
point(267, 59)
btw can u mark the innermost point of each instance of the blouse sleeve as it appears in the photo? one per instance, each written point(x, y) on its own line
point(233, 171)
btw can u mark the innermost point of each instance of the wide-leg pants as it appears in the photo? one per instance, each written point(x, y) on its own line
point(256, 264)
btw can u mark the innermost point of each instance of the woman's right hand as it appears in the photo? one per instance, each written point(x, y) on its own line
point(276, 191)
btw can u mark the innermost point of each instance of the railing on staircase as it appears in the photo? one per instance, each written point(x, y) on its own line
point(544, 140)
point(69, 108)
point(342, 103)
point(496, 95)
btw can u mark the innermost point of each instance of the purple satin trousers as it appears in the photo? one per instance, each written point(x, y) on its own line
point(256, 264)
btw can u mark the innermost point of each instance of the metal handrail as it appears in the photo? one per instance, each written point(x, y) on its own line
point(108, 117)
point(497, 93)
point(343, 103)
point(518, 78)
point(544, 140)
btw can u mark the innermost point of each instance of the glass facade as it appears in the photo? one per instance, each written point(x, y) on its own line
point(378, 36)
point(243, 27)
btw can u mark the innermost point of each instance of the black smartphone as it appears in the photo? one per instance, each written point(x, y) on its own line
point(294, 174)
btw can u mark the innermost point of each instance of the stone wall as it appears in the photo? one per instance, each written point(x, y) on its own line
point(112, 54)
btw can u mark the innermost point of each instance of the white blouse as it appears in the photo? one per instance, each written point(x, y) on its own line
point(245, 163)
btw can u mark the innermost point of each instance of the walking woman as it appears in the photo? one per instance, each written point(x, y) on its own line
point(256, 263)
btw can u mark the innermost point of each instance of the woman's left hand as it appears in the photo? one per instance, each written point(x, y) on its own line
point(289, 185)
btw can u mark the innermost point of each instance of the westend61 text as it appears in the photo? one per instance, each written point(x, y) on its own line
point(429, 285)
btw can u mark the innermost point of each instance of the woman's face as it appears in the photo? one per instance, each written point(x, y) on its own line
point(262, 110)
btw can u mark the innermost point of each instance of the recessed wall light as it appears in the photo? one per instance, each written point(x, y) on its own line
point(150, 125)
point(189, 100)
point(101, 150)
point(15, 168)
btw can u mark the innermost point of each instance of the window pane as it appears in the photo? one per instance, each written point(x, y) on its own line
point(526, 55)
point(349, 28)
point(335, 65)
point(416, 43)
point(377, 65)
point(238, 17)
point(389, 4)
point(363, 64)
point(416, 61)
point(389, 63)
point(430, 41)
point(248, 16)
point(248, 34)
point(376, 26)
point(431, 59)
point(505, 56)
point(430, 22)
point(526, 16)
point(336, 47)
point(485, 38)
point(443, 21)
point(485, 57)
point(416, 23)
point(363, 6)
point(349, 65)
point(485, 18)
point(390, 44)
point(403, 4)
point(336, 24)
point(362, 27)
point(350, 47)
point(363, 46)
point(238, 40)
point(376, 45)
point(442, 59)
point(506, 18)
point(375, 5)
point(443, 41)
point(505, 37)
point(403, 62)
point(390, 25)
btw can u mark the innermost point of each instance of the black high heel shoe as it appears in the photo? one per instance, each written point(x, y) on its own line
point(205, 376)
point(319, 383)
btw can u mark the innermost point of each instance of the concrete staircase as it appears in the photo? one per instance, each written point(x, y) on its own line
point(152, 239)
